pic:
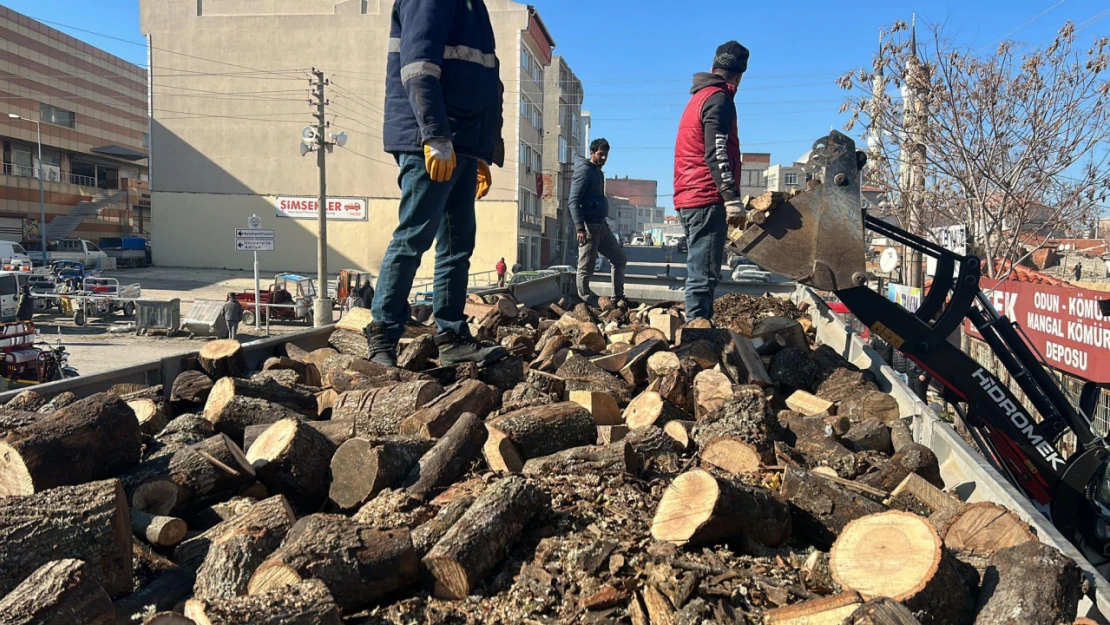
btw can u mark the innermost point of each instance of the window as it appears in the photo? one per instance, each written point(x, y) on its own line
point(564, 150)
point(525, 155)
point(57, 116)
point(526, 59)
point(790, 179)
point(574, 130)
point(537, 161)
point(146, 140)
point(525, 106)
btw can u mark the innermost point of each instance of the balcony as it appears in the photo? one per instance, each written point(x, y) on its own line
point(11, 169)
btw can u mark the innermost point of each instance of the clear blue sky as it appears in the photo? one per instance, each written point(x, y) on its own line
point(636, 57)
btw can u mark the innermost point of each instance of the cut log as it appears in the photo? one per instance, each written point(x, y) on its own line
point(187, 478)
point(821, 611)
point(361, 468)
point(16, 419)
point(680, 432)
point(152, 419)
point(789, 329)
point(547, 383)
point(164, 593)
point(168, 618)
point(503, 374)
point(882, 611)
point(223, 358)
point(699, 508)
point(821, 509)
point(1029, 584)
point(661, 363)
point(291, 458)
point(614, 361)
point(187, 429)
point(379, 411)
point(94, 438)
point(793, 370)
point(738, 437)
point(271, 515)
point(899, 555)
point(207, 518)
point(703, 351)
point(634, 370)
point(532, 432)
point(589, 460)
point(437, 416)
point(59, 401)
point(359, 565)
point(913, 458)
point(900, 435)
point(675, 387)
point(545, 359)
point(711, 390)
point(603, 408)
point(429, 533)
point(975, 532)
point(816, 440)
point(337, 431)
point(237, 549)
point(751, 364)
point(164, 531)
point(808, 404)
point(648, 334)
point(306, 603)
point(607, 434)
point(236, 414)
point(916, 495)
point(649, 408)
point(300, 399)
point(416, 355)
point(871, 405)
point(307, 373)
point(448, 460)
point(869, 435)
point(590, 337)
point(88, 522)
point(482, 536)
point(62, 591)
point(582, 375)
point(666, 323)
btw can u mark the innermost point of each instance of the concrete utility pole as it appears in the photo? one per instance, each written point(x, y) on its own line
point(913, 157)
point(322, 309)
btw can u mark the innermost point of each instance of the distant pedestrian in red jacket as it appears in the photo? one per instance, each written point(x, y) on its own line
point(501, 268)
point(706, 171)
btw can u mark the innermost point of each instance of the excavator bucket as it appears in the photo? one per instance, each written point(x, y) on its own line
point(816, 237)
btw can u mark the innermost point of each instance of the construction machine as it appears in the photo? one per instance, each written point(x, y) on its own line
point(818, 238)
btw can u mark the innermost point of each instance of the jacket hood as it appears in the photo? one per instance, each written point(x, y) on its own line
point(708, 79)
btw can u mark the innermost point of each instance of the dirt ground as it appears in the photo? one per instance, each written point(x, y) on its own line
point(95, 349)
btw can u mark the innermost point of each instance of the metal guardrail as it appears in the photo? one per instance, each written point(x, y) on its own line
point(21, 171)
point(481, 278)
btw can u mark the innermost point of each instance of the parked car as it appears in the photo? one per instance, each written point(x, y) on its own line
point(561, 269)
point(128, 251)
point(639, 241)
point(80, 250)
point(10, 252)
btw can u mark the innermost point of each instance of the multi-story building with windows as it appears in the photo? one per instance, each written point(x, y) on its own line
point(786, 177)
point(564, 141)
point(87, 111)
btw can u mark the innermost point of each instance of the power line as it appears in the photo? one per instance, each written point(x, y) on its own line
point(1035, 18)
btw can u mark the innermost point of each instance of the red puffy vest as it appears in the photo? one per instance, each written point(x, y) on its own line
point(693, 184)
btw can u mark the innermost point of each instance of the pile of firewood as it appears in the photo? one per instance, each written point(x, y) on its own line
point(619, 466)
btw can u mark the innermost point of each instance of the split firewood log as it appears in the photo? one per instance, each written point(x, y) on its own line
point(680, 431)
point(338, 431)
point(820, 509)
point(271, 516)
point(661, 363)
point(650, 408)
point(871, 405)
point(415, 355)
point(677, 386)
point(702, 351)
point(88, 522)
point(448, 460)
point(711, 390)
point(306, 603)
point(359, 565)
point(482, 536)
point(188, 429)
point(975, 532)
point(547, 383)
point(181, 479)
point(379, 411)
point(913, 458)
point(1030, 583)
point(900, 435)
point(361, 468)
point(815, 438)
point(634, 370)
point(830, 610)
point(699, 508)
point(93, 438)
point(882, 611)
point(754, 371)
point(503, 374)
point(603, 408)
point(437, 416)
point(915, 568)
point(61, 591)
point(789, 329)
point(291, 458)
point(808, 404)
point(150, 414)
point(738, 437)
point(536, 431)
point(222, 358)
point(607, 434)
point(582, 375)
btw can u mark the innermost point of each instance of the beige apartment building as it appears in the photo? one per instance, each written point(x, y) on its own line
point(564, 142)
point(91, 109)
point(229, 90)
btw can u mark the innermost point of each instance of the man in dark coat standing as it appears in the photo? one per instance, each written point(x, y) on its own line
point(443, 102)
point(588, 208)
point(233, 314)
point(26, 308)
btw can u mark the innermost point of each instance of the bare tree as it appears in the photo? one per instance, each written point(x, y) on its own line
point(1015, 143)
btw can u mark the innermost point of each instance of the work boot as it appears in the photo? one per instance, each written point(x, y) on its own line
point(382, 350)
point(455, 349)
point(624, 302)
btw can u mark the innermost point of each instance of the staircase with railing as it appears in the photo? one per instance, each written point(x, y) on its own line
point(64, 225)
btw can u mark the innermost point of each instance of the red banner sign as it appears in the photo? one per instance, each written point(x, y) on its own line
point(1063, 323)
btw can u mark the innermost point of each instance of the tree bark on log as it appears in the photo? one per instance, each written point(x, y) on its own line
point(1030, 584)
point(821, 509)
point(913, 458)
point(58, 592)
point(271, 515)
point(337, 431)
point(870, 435)
point(88, 522)
point(164, 593)
point(816, 440)
point(307, 373)
point(913, 568)
point(431, 531)
point(27, 401)
point(94, 438)
point(415, 355)
point(482, 536)
point(675, 387)
point(439, 415)
point(359, 565)
point(59, 401)
point(163, 531)
point(547, 383)
point(16, 419)
point(291, 458)
point(592, 459)
point(449, 459)
point(301, 399)
point(361, 468)
point(190, 391)
point(238, 413)
point(379, 411)
point(650, 408)
point(183, 479)
point(882, 611)
point(871, 405)
point(188, 429)
point(582, 375)
point(700, 508)
point(975, 532)
point(738, 436)
point(521, 435)
point(306, 603)
point(223, 358)
point(235, 552)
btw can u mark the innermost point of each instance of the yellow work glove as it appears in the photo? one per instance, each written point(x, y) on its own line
point(439, 159)
point(485, 181)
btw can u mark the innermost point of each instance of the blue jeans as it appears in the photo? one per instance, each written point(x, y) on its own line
point(439, 211)
point(706, 230)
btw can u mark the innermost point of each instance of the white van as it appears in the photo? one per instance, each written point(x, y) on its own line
point(11, 251)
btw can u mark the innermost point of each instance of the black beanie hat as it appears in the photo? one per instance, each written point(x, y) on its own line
point(731, 57)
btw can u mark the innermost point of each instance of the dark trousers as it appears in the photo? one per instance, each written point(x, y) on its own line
point(706, 229)
point(442, 212)
point(602, 242)
point(232, 329)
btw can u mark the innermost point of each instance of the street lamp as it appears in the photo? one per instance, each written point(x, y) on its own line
point(42, 195)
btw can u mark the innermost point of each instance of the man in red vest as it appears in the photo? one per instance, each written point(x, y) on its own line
point(706, 171)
